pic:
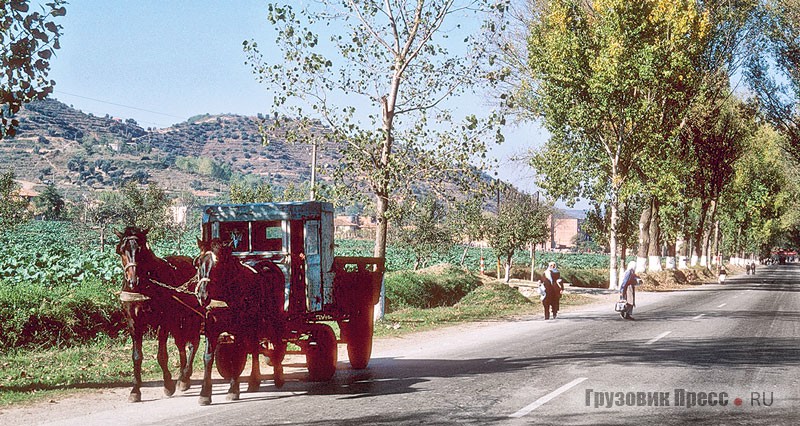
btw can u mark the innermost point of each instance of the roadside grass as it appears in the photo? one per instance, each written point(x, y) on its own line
point(47, 372)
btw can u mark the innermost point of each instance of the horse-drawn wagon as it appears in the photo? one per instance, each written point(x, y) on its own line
point(293, 243)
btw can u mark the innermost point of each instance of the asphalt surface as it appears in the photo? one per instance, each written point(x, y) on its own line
point(715, 354)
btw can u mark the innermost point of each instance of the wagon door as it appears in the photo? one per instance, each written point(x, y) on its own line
point(313, 266)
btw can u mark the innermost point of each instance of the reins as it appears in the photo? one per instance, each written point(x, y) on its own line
point(183, 288)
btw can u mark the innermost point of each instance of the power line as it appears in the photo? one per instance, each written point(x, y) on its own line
point(121, 105)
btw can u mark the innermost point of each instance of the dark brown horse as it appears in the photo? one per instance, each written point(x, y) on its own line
point(158, 293)
point(244, 314)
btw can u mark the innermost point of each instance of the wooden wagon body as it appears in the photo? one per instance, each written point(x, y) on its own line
point(318, 287)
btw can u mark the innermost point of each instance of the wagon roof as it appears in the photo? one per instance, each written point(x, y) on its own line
point(296, 210)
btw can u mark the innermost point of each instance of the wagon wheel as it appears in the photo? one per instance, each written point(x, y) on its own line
point(230, 360)
point(358, 334)
point(321, 353)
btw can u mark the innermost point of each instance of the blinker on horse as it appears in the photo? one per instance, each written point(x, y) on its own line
point(158, 293)
point(244, 314)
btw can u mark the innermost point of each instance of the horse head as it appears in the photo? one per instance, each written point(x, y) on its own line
point(131, 243)
point(210, 267)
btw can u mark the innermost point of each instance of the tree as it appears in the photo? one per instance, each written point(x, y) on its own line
point(760, 204)
point(423, 231)
point(13, 207)
point(772, 69)
point(520, 221)
point(146, 208)
point(28, 40)
point(383, 92)
point(50, 204)
point(603, 72)
point(466, 221)
point(244, 192)
point(716, 137)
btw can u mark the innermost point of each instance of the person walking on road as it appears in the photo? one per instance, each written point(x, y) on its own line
point(627, 290)
point(722, 274)
point(753, 267)
point(553, 287)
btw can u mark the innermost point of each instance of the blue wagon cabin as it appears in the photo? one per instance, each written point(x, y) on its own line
point(296, 238)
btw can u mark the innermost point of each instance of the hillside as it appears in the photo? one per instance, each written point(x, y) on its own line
point(80, 152)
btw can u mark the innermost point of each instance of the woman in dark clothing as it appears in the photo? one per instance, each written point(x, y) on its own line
point(627, 291)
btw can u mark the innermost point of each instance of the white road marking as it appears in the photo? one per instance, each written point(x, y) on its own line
point(722, 305)
point(657, 338)
point(543, 400)
point(698, 317)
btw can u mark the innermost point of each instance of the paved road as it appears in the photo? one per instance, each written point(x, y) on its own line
point(710, 355)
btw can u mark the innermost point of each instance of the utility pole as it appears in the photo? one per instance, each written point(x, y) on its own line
point(314, 169)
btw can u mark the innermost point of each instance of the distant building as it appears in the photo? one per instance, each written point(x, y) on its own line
point(565, 226)
point(26, 190)
point(355, 226)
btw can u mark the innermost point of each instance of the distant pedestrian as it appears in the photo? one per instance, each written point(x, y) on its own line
point(722, 274)
point(747, 268)
point(627, 290)
point(753, 267)
point(553, 287)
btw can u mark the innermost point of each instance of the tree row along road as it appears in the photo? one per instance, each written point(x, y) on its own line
point(716, 354)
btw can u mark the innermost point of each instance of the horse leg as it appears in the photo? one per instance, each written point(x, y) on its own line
point(136, 355)
point(278, 352)
point(193, 343)
point(163, 361)
point(254, 383)
point(233, 390)
point(208, 364)
point(183, 379)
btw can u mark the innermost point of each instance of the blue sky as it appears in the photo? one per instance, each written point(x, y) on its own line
point(163, 62)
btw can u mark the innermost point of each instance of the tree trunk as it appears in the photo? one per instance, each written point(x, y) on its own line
point(644, 239)
point(381, 231)
point(382, 187)
point(707, 234)
point(612, 244)
point(533, 261)
point(654, 248)
point(697, 247)
point(672, 254)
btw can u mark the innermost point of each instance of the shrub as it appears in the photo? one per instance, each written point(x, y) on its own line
point(494, 295)
point(428, 288)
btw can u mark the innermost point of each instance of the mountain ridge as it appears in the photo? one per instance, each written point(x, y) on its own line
point(81, 153)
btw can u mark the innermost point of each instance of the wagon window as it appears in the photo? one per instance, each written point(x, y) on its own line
point(235, 233)
point(267, 236)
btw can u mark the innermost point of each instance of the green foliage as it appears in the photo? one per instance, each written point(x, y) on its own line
point(205, 166)
point(33, 316)
point(423, 231)
point(493, 295)
point(50, 204)
point(28, 40)
point(244, 192)
point(428, 289)
point(520, 222)
point(389, 58)
point(47, 254)
point(146, 208)
point(13, 208)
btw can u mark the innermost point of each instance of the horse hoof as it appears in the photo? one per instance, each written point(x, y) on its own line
point(232, 397)
point(169, 389)
point(204, 400)
point(135, 397)
point(279, 382)
point(184, 386)
point(253, 387)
